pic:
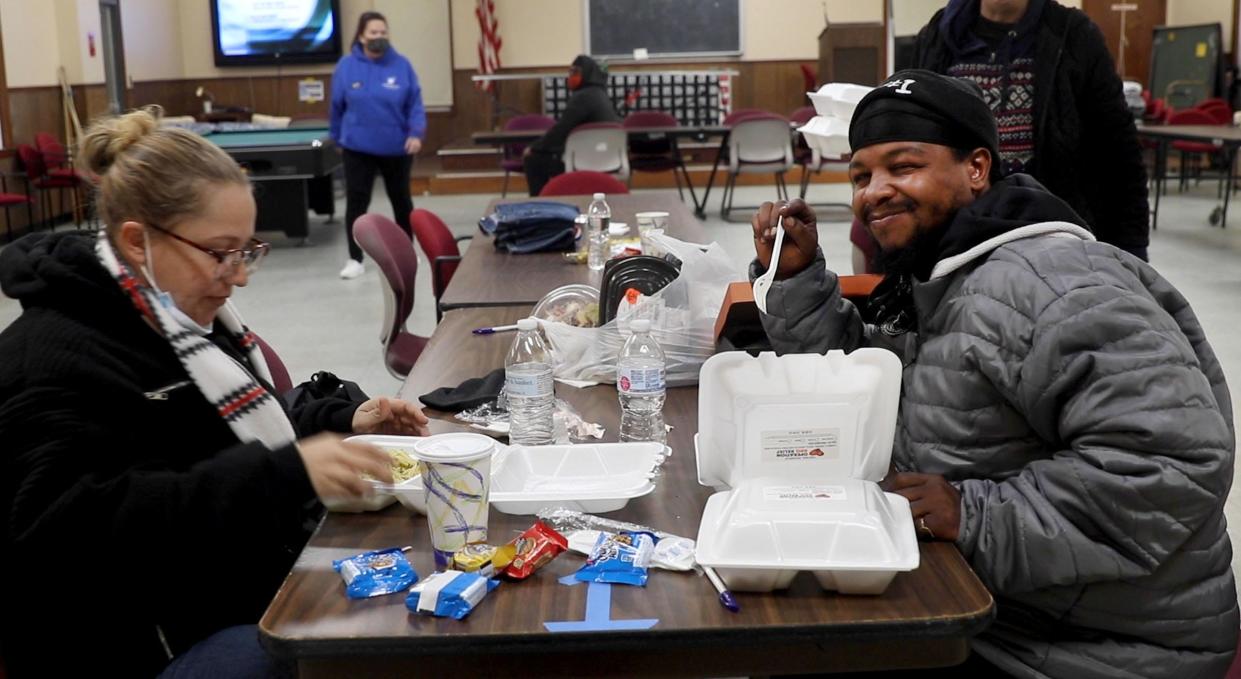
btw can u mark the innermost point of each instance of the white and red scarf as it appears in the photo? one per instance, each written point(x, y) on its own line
point(251, 411)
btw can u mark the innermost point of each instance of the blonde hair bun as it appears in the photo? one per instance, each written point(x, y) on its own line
point(108, 138)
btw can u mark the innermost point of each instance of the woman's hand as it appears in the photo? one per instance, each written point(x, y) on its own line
point(412, 145)
point(335, 467)
point(389, 416)
point(935, 503)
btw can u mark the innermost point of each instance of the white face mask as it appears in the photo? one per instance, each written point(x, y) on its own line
point(165, 299)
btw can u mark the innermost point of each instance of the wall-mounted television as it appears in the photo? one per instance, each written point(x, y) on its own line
point(266, 32)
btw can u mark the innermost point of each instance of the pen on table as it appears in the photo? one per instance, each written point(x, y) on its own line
point(493, 330)
point(726, 597)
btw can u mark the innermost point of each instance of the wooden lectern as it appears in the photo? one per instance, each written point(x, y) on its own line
point(853, 53)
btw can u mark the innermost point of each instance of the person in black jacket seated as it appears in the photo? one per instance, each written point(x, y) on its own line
point(589, 103)
point(1045, 71)
point(154, 492)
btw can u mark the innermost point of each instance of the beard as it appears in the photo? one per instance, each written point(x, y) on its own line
point(917, 257)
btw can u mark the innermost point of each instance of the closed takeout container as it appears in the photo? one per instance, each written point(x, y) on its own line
point(838, 100)
point(796, 445)
point(592, 477)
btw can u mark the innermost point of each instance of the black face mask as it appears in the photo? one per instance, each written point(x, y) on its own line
point(377, 46)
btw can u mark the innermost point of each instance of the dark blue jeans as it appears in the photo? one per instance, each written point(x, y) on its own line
point(232, 653)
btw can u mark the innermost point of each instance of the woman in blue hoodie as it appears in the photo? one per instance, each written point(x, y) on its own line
point(379, 122)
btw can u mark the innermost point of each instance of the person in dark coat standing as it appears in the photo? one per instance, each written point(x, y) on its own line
point(1045, 71)
point(589, 103)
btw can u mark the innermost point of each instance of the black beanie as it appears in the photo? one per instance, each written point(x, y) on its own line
point(919, 105)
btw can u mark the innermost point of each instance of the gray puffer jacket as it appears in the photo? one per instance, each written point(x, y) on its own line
point(1069, 393)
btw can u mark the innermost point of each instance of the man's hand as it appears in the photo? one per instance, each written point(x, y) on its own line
point(412, 145)
point(801, 235)
point(935, 503)
point(335, 467)
point(389, 416)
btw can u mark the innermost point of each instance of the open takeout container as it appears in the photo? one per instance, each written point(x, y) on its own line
point(796, 446)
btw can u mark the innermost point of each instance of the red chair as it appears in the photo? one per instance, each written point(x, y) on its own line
point(279, 374)
point(512, 153)
point(583, 183)
point(1187, 148)
point(1218, 109)
point(385, 242)
point(38, 178)
point(56, 160)
point(657, 154)
point(440, 247)
point(809, 78)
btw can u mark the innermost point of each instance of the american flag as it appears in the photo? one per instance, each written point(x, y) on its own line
point(488, 41)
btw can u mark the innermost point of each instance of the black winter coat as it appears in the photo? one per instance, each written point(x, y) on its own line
point(126, 513)
point(590, 103)
point(1085, 141)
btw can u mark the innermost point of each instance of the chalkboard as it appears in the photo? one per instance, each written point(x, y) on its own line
point(1185, 64)
point(664, 27)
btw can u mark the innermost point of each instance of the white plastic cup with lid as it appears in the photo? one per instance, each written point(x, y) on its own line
point(654, 220)
point(456, 479)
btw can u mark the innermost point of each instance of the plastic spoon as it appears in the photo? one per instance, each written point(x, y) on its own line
point(762, 284)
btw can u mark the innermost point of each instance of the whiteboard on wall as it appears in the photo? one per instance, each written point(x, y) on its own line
point(422, 31)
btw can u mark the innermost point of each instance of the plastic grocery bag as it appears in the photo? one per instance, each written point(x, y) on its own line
point(682, 321)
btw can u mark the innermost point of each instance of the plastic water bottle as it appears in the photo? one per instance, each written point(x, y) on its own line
point(599, 216)
point(640, 385)
point(528, 383)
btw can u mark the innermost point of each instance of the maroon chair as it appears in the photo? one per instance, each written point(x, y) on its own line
point(583, 183)
point(56, 160)
point(1192, 148)
point(659, 153)
point(440, 247)
point(39, 179)
point(279, 374)
point(385, 242)
point(511, 161)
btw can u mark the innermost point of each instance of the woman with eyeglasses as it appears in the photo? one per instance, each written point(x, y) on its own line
point(154, 491)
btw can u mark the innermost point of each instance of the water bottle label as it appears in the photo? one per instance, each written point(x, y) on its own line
point(640, 380)
point(539, 384)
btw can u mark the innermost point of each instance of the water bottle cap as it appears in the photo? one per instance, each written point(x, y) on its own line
point(527, 324)
point(598, 196)
point(640, 325)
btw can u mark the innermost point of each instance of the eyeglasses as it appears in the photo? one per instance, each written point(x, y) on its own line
point(229, 260)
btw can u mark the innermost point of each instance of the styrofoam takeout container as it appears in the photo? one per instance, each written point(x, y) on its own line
point(798, 444)
point(838, 100)
point(828, 136)
point(592, 478)
point(408, 492)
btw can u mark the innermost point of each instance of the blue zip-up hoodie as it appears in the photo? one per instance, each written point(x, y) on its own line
point(376, 104)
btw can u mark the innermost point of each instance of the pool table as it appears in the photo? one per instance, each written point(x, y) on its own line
point(291, 170)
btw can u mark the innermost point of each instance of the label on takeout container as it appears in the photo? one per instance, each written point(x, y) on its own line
point(801, 444)
point(793, 493)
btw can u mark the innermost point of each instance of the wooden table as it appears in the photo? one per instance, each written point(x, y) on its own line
point(1225, 137)
point(488, 277)
point(924, 619)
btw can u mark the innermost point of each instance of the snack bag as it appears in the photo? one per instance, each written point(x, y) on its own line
point(475, 558)
point(622, 558)
point(449, 594)
point(375, 573)
point(529, 552)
